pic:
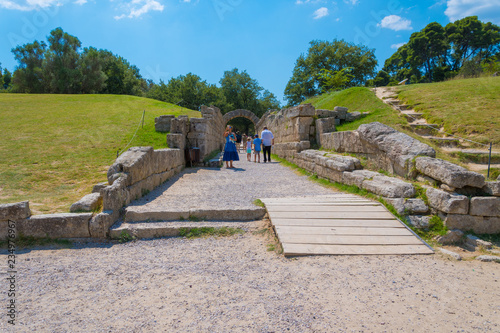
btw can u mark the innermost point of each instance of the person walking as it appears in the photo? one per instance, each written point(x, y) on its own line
point(230, 152)
point(257, 147)
point(267, 138)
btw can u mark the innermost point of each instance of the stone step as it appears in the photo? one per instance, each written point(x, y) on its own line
point(135, 214)
point(444, 142)
point(412, 116)
point(404, 107)
point(147, 230)
point(423, 130)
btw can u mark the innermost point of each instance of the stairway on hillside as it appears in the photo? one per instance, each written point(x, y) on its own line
point(436, 134)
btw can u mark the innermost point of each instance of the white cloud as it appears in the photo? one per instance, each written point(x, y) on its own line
point(352, 2)
point(301, 2)
point(396, 23)
point(397, 46)
point(81, 2)
point(322, 12)
point(27, 5)
point(137, 8)
point(486, 10)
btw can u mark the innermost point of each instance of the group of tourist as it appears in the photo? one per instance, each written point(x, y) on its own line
point(255, 144)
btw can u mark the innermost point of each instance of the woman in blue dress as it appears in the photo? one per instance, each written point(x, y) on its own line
point(230, 152)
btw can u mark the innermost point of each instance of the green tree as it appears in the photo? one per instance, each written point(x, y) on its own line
point(1, 77)
point(122, 77)
point(240, 90)
point(428, 48)
point(471, 38)
point(28, 76)
point(62, 60)
point(91, 67)
point(7, 79)
point(381, 80)
point(334, 80)
point(335, 56)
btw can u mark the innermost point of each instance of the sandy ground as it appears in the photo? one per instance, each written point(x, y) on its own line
point(235, 284)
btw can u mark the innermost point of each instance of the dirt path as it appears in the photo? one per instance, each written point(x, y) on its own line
point(235, 285)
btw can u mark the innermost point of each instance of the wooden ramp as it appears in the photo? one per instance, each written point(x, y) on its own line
point(340, 224)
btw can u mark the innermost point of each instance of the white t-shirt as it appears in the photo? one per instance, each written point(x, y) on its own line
point(267, 137)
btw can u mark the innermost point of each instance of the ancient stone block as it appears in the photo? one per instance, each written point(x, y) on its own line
point(449, 173)
point(454, 236)
point(478, 224)
point(352, 116)
point(450, 203)
point(56, 226)
point(324, 125)
point(97, 187)
point(357, 177)
point(418, 221)
point(389, 187)
point(100, 223)
point(492, 188)
point(135, 162)
point(162, 123)
point(88, 203)
point(341, 112)
point(115, 196)
point(15, 211)
point(485, 206)
point(408, 206)
point(176, 141)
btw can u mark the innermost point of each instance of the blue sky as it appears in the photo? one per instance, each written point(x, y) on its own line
point(167, 38)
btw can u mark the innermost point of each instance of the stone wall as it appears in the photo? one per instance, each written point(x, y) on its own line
point(134, 174)
point(385, 147)
point(205, 133)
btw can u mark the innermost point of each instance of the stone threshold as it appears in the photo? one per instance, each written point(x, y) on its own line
point(134, 214)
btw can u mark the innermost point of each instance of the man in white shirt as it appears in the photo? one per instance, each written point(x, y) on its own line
point(267, 138)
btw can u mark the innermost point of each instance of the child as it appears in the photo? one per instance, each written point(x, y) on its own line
point(249, 149)
point(257, 147)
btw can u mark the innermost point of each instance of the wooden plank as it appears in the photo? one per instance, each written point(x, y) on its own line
point(332, 215)
point(290, 249)
point(343, 208)
point(373, 223)
point(313, 230)
point(349, 239)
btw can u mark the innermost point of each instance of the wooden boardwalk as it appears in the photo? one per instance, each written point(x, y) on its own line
point(340, 224)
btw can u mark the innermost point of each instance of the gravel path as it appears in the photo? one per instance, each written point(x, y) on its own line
point(202, 188)
point(234, 284)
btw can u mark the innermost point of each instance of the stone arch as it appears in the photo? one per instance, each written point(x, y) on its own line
point(241, 113)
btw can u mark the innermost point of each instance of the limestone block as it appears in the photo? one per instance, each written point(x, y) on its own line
point(408, 206)
point(162, 123)
point(449, 173)
point(303, 110)
point(100, 223)
point(115, 196)
point(454, 236)
point(485, 206)
point(447, 188)
point(342, 163)
point(88, 203)
point(15, 211)
point(324, 125)
point(418, 221)
point(426, 179)
point(341, 112)
point(321, 113)
point(475, 242)
point(450, 203)
point(135, 162)
point(56, 226)
point(352, 116)
point(357, 177)
point(487, 258)
point(179, 125)
point(492, 188)
point(302, 125)
point(478, 224)
point(327, 173)
point(97, 187)
point(389, 187)
point(176, 141)
point(452, 254)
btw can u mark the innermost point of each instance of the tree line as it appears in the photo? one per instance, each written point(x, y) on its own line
point(61, 67)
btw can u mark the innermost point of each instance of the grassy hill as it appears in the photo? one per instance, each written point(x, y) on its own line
point(53, 148)
point(469, 107)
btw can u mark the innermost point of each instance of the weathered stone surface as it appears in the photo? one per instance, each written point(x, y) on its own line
point(98, 187)
point(389, 187)
point(56, 226)
point(408, 206)
point(342, 163)
point(485, 206)
point(447, 188)
point(352, 116)
point(426, 180)
point(88, 203)
point(449, 173)
point(15, 211)
point(357, 177)
point(452, 254)
point(475, 242)
point(478, 224)
point(486, 258)
point(135, 162)
point(100, 223)
point(341, 112)
point(450, 203)
point(346, 142)
point(324, 125)
point(454, 236)
point(418, 221)
point(399, 148)
point(115, 196)
point(162, 123)
point(176, 140)
point(492, 188)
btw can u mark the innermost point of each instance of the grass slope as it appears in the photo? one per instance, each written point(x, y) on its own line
point(358, 99)
point(53, 148)
point(468, 107)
